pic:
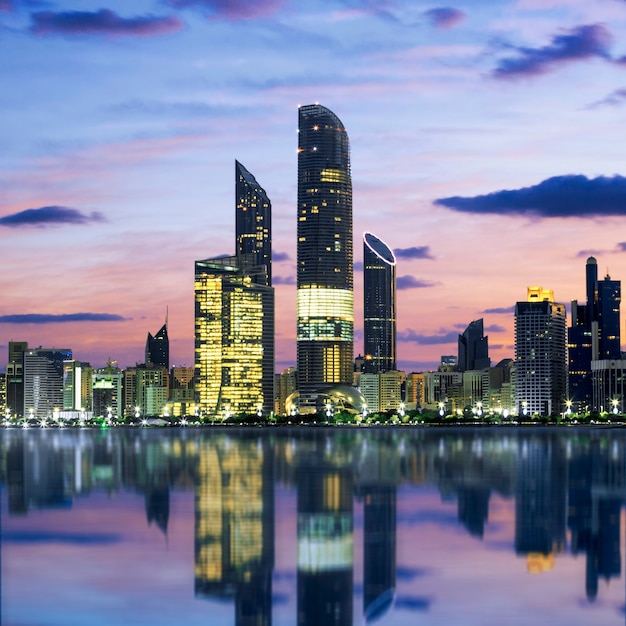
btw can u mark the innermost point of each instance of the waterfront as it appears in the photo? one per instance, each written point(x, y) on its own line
point(313, 526)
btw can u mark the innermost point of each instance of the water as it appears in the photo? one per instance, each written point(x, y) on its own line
point(313, 526)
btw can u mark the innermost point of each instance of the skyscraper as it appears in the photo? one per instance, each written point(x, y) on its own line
point(379, 305)
point(593, 335)
point(473, 348)
point(253, 221)
point(158, 348)
point(540, 354)
point(43, 380)
point(234, 336)
point(325, 302)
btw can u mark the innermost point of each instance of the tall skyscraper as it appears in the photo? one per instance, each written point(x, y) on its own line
point(593, 335)
point(253, 221)
point(379, 305)
point(43, 380)
point(234, 313)
point(540, 354)
point(158, 348)
point(473, 348)
point(234, 336)
point(15, 377)
point(325, 303)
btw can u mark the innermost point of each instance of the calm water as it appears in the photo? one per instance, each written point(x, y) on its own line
point(313, 526)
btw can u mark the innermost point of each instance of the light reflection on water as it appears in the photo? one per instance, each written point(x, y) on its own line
point(312, 526)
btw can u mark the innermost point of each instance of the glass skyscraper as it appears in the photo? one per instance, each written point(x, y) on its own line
point(379, 305)
point(325, 301)
point(473, 348)
point(253, 223)
point(158, 348)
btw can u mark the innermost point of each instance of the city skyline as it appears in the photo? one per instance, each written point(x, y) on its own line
point(484, 142)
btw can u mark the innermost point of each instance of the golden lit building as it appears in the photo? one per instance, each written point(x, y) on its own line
point(234, 337)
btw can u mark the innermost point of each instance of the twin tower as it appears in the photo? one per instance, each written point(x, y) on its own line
point(234, 297)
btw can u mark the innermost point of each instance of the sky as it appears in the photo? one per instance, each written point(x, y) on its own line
point(485, 144)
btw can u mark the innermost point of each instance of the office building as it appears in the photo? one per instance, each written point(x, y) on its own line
point(540, 374)
point(15, 377)
point(473, 348)
point(234, 336)
point(43, 381)
point(325, 302)
point(158, 348)
point(77, 386)
point(107, 391)
point(253, 221)
point(379, 305)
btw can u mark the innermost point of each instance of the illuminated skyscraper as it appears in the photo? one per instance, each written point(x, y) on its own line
point(379, 305)
point(234, 336)
point(325, 304)
point(540, 354)
point(253, 221)
point(43, 380)
point(158, 348)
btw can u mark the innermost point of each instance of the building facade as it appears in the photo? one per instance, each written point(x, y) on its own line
point(325, 301)
point(379, 305)
point(158, 348)
point(540, 375)
point(43, 381)
point(473, 348)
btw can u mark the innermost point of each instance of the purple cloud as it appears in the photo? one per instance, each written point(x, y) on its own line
point(560, 196)
point(283, 280)
point(102, 22)
point(416, 252)
point(280, 256)
point(502, 309)
point(445, 17)
point(410, 282)
point(6, 5)
point(615, 98)
point(358, 266)
point(49, 215)
point(45, 318)
point(495, 328)
point(410, 336)
point(232, 9)
point(583, 42)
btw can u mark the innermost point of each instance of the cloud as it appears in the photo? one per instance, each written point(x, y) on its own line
point(49, 215)
point(495, 328)
point(416, 252)
point(45, 318)
point(409, 335)
point(445, 17)
point(560, 196)
point(501, 309)
point(410, 282)
point(232, 9)
point(412, 603)
point(6, 5)
point(581, 43)
point(25, 536)
point(283, 280)
point(409, 574)
point(102, 22)
point(280, 256)
point(358, 266)
point(615, 98)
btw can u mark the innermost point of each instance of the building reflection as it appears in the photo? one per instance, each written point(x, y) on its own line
point(566, 493)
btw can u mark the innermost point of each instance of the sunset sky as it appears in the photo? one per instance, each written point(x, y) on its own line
point(487, 143)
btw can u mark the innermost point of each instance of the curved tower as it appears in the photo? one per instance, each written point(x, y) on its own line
point(379, 305)
point(325, 303)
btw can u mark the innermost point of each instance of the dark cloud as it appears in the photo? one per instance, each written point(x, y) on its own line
point(102, 22)
point(410, 282)
point(560, 196)
point(621, 246)
point(49, 215)
point(408, 335)
point(280, 256)
point(232, 9)
point(501, 309)
point(495, 328)
point(445, 17)
point(615, 98)
point(30, 537)
point(416, 252)
point(409, 574)
point(44, 318)
point(283, 280)
point(358, 266)
point(587, 253)
point(412, 603)
point(584, 42)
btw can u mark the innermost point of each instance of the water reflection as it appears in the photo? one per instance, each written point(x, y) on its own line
point(561, 492)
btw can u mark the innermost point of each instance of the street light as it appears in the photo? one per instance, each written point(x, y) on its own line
point(615, 402)
point(441, 409)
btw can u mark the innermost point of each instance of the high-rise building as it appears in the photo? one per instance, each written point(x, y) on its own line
point(540, 374)
point(379, 305)
point(234, 336)
point(593, 335)
point(253, 221)
point(43, 380)
point(15, 377)
point(77, 386)
point(158, 348)
point(473, 348)
point(325, 302)
point(107, 391)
